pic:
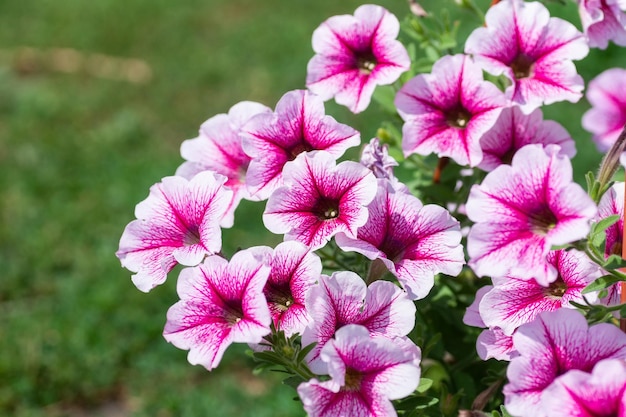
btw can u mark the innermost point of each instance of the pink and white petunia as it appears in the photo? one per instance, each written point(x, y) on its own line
point(492, 342)
point(607, 116)
point(533, 50)
point(179, 222)
point(220, 303)
point(320, 199)
point(603, 21)
point(551, 345)
point(383, 308)
point(611, 204)
point(514, 129)
point(449, 110)
point(513, 301)
point(366, 374)
point(295, 269)
point(218, 148)
point(521, 210)
point(579, 394)
point(354, 54)
point(415, 242)
point(298, 125)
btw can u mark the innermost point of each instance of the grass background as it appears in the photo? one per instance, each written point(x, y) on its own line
point(78, 151)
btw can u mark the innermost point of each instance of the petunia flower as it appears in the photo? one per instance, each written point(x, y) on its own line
point(580, 394)
point(179, 222)
point(533, 50)
point(383, 308)
point(513, 301)
point(220, 303)
point(449, 110)
point(607, 117)
point(514, 129)
point(366, 374)
point(218, 148)
point(520, 211)
point(295, 269)
point(415, 242)
point(298, 125)
point(603, 21)
point(551, 345)
point(320, 199)
point(354, 54)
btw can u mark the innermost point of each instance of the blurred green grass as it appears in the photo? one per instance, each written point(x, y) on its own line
point(77, 152)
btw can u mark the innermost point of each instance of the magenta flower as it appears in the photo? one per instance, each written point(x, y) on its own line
point(320, 199)
point(220, 303)
point(514, 129)
point(354, 54)
point(294, 271)
point(449, 110)
point(521, 211)
point(603, 21)
point(298, 125)
point(367, 372)
point(179, 222)
point(532, 50)
point(415, 242)
point(579, 394)
point(513, 302)
point(383, 308)
point(551, 345)
point(218, 148)
point(607, 116)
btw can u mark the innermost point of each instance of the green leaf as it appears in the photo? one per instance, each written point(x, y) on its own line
point(614, 262)
point(305, 351)
point(504, 412)
point(605, 223)
point(601, 283)
point(622, 312)
point(293, 381)
point(416, 402)
point(424, 385)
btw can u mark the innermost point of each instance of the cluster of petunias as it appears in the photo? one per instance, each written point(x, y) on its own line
point(354, 328)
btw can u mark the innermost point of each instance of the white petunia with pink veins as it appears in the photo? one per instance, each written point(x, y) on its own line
point(354, 54)
point(343, 298)
point(447, 111)
point(366, 374)
point(413, 241)
point(521, 210)
point(220, 303)
point(320, 199)
point(533, 50)
point(179, 223)
point(298, 125)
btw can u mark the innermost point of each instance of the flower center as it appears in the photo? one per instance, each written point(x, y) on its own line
point(353, 380)
point(326, 208)
point(297, 149)
point(366, 62)
point(279, 295)
point(233, 312)
point(556, 289)
point(523, 66)
point(192, 236)
point(542, 221)
point(458, 117)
